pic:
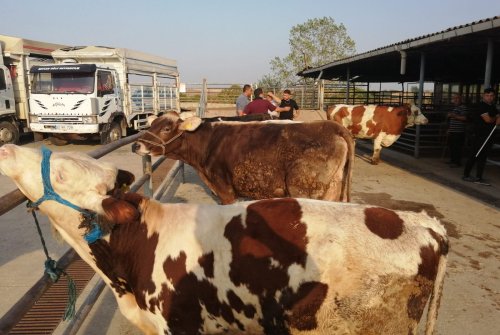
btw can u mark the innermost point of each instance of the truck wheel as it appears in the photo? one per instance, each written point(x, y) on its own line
point(114, 133)
point(57, 141)
point(8, 133)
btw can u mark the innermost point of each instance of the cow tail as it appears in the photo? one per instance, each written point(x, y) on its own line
point(346, 185)
point(432, 312)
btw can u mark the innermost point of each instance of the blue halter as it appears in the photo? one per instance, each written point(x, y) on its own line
point(49, 194)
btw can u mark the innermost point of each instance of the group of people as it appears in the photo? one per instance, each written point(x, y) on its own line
point(285, 107)
point(483, 117)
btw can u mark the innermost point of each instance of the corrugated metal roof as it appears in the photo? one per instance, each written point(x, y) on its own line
point(461, 30)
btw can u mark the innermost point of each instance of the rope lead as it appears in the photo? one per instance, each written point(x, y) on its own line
point(54, 272)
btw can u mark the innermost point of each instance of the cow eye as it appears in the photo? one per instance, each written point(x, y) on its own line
point(166, 129)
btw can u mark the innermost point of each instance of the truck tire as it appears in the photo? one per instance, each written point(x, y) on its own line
point(114, 133)
point(58, 141)
point(9, 133)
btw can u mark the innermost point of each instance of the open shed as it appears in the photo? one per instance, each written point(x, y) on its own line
point(462, 59)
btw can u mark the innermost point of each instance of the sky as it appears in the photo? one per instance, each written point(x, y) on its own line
point(228, 41)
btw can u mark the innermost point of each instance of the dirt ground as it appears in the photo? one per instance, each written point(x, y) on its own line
point(471, 298)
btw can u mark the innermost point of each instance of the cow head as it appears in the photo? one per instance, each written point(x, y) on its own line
point(416, 116)
point(77, 178)
point(163, 135)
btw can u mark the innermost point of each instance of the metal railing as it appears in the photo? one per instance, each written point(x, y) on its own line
point(15, 198)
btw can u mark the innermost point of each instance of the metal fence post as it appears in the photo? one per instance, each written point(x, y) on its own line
point(147, 170)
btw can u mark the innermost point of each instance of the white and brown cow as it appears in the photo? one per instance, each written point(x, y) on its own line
point(383, 124)
point(258, 160)
point(278, 266)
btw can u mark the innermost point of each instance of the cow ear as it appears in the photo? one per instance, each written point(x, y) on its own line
point(186, 115)
point(190, 124)
point(151, 118)
point(119, 211)
point(124, 179)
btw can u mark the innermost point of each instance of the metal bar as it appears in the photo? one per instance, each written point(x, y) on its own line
point(23, 305)
point(167, 181)
point(489, 64)
point(147, 170)
point(420, 98)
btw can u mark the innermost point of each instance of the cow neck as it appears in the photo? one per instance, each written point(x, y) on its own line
point(193, 149)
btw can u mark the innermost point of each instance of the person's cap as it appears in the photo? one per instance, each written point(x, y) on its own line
point(489, 90)
point(257, 92)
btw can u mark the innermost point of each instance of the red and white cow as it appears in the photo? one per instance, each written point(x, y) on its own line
point(278, 266)
point(258, 160)
point(383, 124)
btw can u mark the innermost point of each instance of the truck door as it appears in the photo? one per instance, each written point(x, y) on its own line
point(107, 96)
point(6, 105)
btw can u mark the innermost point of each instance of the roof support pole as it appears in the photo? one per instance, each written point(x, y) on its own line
point(419, 103)
point(348, 79)
point(489, 64)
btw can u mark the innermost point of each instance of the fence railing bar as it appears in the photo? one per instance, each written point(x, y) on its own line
point(167, 180)
point(85, 308)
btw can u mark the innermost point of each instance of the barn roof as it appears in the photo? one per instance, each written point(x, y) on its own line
point(457, 54)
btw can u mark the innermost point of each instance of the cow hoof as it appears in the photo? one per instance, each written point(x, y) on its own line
point(375, 162)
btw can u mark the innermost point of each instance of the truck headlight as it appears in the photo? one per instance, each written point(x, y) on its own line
point(89, 119)
point(33, 118)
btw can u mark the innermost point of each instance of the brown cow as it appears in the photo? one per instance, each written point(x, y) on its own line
point(258, 160)
point(383, 124)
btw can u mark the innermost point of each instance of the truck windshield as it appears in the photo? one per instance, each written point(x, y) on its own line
point(69, 83)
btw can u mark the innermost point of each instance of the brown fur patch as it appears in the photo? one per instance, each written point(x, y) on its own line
point(276, 229)
point(119, 211)
point(383, 222)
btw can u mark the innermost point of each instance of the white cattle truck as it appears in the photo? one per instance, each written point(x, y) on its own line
point(17, 55)
point(100, 92)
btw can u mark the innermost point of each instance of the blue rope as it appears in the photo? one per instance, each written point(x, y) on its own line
point(49, 194)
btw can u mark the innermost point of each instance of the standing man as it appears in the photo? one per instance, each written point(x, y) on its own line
point(259, 105)
point(456, 130)
point(287, 101)
point(243, 100)
point(484, 118)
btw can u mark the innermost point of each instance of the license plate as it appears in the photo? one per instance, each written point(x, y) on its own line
point(58, 126)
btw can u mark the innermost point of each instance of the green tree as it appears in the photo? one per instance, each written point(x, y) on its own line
point(316, 42)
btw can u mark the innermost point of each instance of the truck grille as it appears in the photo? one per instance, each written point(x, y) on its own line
point(60, 119)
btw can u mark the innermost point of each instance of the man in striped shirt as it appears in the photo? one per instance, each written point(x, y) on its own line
point(456, 130)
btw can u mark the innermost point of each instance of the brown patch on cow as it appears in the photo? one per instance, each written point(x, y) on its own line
point(128, 259)
point(275, 227)
point(356, 117)
point(182, 307)
point(391, 122)
point(383, 222)
point(309, 297)
point(386, 200)
point(207, 263)
point(418, 298)
point(429, 262)
point(237, 304)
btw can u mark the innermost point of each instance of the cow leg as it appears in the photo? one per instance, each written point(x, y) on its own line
point(377, 147)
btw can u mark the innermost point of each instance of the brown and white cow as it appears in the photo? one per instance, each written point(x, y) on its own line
point(278, 266)
point(383, 124)
point(258, 160)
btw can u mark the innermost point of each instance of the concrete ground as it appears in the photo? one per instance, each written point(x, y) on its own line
point(471, 301)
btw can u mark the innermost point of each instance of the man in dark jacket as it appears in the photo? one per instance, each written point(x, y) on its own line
point(484, 119)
